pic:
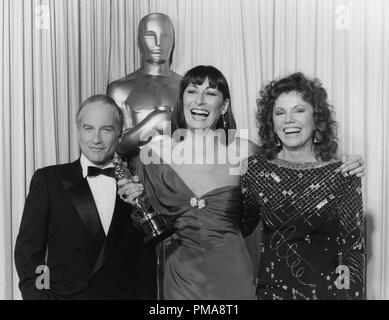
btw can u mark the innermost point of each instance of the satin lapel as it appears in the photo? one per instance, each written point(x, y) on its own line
point(82, 198)
point(118, 223)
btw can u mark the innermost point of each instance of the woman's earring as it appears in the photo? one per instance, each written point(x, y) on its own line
point(316, 137)
point(278, 142)
point(224, 122)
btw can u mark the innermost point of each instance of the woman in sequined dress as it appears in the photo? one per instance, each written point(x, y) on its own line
point(313, 234)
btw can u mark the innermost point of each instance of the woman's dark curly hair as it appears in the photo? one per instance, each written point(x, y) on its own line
point(313, 93)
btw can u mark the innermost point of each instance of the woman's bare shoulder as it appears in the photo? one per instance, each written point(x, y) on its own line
point(245, 147)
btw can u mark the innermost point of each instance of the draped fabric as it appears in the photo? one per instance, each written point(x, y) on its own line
point(207, 256)
point(56, 53)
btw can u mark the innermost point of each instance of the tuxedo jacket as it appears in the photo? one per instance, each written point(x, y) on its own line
point(61, 229)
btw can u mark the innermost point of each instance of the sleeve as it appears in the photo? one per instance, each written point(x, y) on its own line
point(145, 274)
point(31, 242)
point(251, 211)
point(352, 243)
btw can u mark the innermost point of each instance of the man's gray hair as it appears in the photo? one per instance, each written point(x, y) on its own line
point(104, 99)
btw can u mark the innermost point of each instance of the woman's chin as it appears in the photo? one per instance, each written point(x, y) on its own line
point(199, 126)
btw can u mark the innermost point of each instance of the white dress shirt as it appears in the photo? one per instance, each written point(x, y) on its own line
point(103, 190)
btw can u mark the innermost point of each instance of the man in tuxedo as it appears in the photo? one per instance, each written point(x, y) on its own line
point(75, 224)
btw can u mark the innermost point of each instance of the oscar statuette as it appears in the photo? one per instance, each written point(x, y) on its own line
point(151, 222)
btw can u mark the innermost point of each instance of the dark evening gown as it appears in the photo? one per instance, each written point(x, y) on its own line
point(312, 223)
point(207, 257)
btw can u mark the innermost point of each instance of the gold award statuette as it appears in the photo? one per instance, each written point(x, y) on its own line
point(153, 224)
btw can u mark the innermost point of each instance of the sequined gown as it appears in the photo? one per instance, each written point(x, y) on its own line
point(312, 223)
point(207, 257)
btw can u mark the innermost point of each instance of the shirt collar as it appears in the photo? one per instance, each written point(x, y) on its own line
point(85, 163)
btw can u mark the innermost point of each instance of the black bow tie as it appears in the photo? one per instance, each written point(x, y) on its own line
point(94, 172)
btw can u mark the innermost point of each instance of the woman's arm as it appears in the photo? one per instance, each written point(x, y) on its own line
point(130, 189)
point(250, 212)
point(352, 242)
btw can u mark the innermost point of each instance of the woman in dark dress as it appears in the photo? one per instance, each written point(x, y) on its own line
point(206, 258)
point(313, 234)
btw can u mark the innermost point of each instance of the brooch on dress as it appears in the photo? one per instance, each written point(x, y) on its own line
point(194, 202)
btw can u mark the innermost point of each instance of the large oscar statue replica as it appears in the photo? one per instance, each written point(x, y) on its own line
point(148, 95)
point(147, 98)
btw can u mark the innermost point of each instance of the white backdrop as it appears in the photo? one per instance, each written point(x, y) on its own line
point(55, 53)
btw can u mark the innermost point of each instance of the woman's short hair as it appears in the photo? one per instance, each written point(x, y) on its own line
point(312, 92)
point(197, 76)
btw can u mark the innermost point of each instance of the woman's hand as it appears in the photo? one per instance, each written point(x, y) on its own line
point(130, 189)
point(352, 165)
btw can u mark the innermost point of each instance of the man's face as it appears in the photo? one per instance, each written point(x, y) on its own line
point(156, 39)
point(98, 132)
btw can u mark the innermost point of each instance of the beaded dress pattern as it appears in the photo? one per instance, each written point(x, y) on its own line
point(313, 232)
